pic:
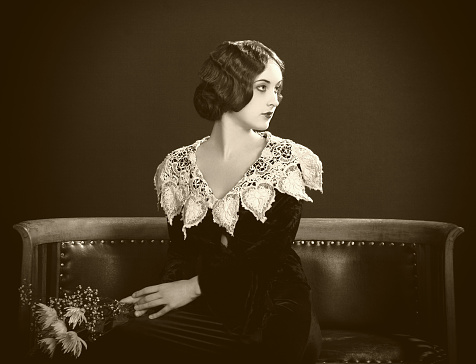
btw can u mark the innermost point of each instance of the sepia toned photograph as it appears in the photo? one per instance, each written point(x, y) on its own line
point(282, 182)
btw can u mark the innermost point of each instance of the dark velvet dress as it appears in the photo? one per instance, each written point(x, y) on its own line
point(255, 303)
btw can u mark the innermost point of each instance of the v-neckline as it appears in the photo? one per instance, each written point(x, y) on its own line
point(265, 134)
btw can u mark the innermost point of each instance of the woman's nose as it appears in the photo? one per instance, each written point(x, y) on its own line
point(274, 100)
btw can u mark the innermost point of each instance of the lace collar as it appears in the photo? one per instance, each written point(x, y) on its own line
point(283, 165)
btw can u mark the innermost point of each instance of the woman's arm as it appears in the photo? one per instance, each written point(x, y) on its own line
point(178, 284)
point(181, 255)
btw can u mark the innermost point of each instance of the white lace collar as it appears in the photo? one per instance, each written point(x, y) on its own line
point(283, 165)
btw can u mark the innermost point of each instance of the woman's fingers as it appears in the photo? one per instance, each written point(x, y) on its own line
point(145, 305)
point(148, 298)
point(129, 299)
point(146, 291)
point(170, 295)
point(139, 313)
point(162, 312)
point(151, 297)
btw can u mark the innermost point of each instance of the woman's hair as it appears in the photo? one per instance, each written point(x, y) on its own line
point(227, 76)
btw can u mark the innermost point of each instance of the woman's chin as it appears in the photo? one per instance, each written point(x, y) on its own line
point(262, 127)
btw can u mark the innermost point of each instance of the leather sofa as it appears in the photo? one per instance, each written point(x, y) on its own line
point(383, 290)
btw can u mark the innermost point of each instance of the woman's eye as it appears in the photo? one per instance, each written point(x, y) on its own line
point(261, 88)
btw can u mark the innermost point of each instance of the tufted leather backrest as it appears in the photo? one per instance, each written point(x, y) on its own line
point(115, 267)
point(362, 283)
point(392, 275)
point(353, 283)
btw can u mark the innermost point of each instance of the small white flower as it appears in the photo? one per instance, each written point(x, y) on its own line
point(72, 343)
point(48, 345)
point(47, 315)
point(76, 316)
point(59, 327)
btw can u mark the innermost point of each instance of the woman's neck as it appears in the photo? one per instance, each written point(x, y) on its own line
point(228, 139)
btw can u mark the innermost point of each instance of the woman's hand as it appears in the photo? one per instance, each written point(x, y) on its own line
point(170, 295)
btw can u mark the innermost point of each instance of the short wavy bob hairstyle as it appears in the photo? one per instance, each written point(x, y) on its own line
point(227, 76)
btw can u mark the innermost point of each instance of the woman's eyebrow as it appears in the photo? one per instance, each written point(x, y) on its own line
point(267, 81)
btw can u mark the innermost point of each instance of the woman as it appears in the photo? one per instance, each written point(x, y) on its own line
point(233, 288)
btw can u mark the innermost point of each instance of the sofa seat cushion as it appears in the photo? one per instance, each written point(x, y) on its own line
point(343, 346)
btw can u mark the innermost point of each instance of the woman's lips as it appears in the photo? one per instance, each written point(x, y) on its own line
point(268, 114)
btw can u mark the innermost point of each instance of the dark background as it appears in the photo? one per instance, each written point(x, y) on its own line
point(98, 92)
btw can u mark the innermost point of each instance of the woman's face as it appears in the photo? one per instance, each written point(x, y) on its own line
point(258, 112)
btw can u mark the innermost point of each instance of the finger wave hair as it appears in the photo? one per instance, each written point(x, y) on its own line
point(227, 76)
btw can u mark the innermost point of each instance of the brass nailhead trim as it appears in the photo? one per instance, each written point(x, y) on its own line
point(341, 242)
point(102, 241)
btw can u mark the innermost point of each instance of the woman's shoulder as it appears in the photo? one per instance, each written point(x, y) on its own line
point(285, 143)
point(184, 153)
point(291, 153)
point(176, 164)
